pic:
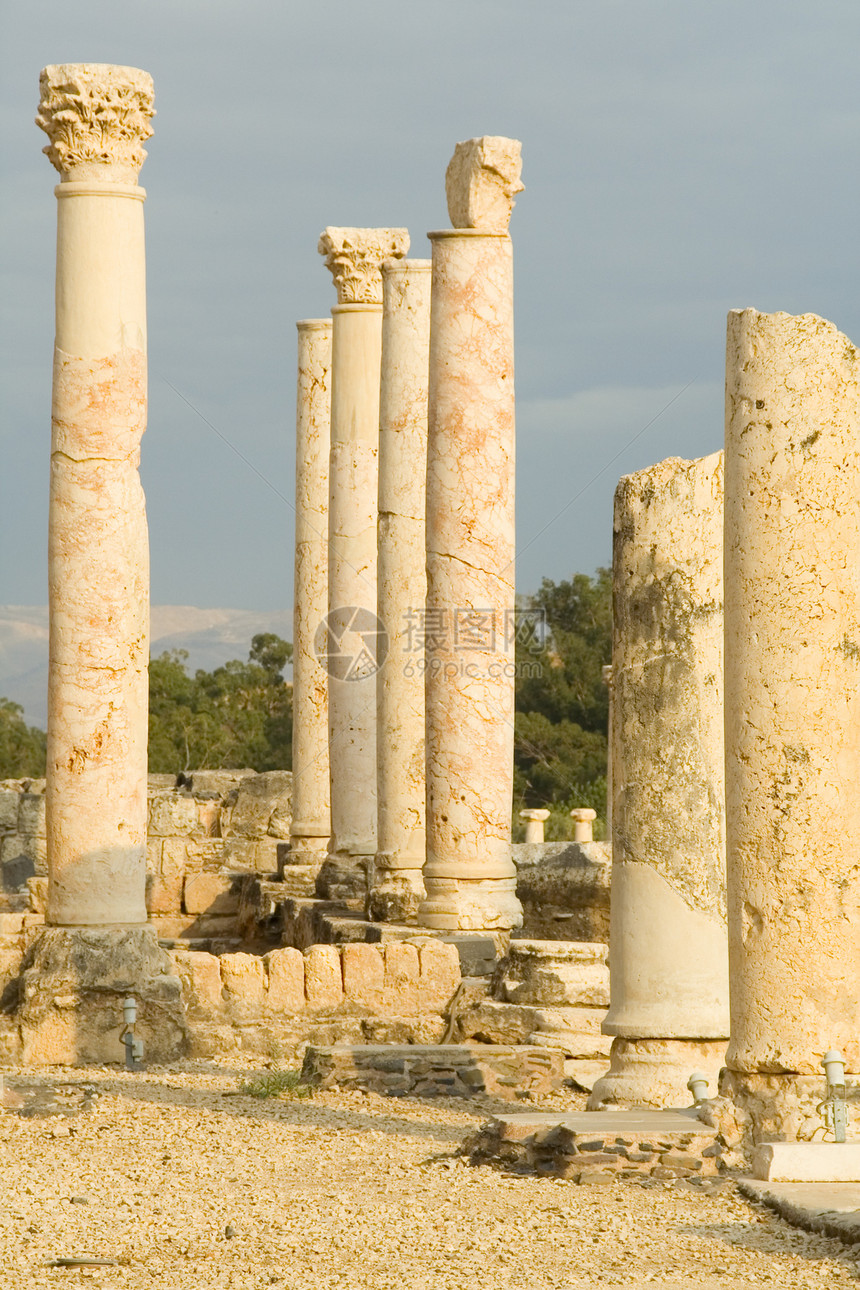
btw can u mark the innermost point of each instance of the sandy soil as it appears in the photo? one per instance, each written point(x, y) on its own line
point(185, 1184)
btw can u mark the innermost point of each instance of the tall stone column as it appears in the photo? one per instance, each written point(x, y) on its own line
point(397, 885)
point(668, 959)
point(469, 874)
point(353, 645)
point(311, 822)
point(792, 714)
point(97, 118)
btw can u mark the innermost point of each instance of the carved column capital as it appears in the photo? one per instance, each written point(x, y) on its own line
point(481, 181)
point(96, 117)
point(354, 257)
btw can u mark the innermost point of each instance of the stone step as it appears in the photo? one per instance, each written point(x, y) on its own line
point(602, 1146)
point(557, 973)
point(574, 1031)
point(436, 1070)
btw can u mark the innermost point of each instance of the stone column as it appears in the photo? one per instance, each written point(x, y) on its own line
point(583, 823)
point(353, 645)
point(792, 714)
point(668, 957)
point(535, 820)
point(397, 886)
point(469, 875)
point(311, 819)
point(97, 944)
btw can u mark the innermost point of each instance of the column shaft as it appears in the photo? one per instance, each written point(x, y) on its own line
point(397, 885)
point(668, 956)
point(311, 821)
point(792, 710)
point(469, 874)
point(98, 582)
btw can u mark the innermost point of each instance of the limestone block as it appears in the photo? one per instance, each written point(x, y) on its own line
point(201, 980)
point(153, 854)
point(11, 923)
point(481, 182)
point(209, 817)
point(238, 854)
point(163, 895)
point(9, 798)
point(439, 975)
point(193, 855)
point(557, 972)
point(323, 977)
point(11, 962)
point(171, 815)
point(809, 1162)
point(402, 968)
point(38, 889)
point(266, 855)
point(210, 893)
point(73, 988)
point(262, 801)
point(286, 976)
point(243, 977)
point(31, 814)
point(363, 976)
point(218, 782)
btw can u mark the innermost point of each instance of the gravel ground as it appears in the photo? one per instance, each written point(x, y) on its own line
point(186, 1184)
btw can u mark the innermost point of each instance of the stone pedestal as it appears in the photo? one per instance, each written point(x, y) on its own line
point(535, 820)
point(469, 875)
point(311, 819)
point(97, 118)
point(668, 957)
point(353, 644)
point(73, 986)
point(396, 885)
point(792, 713)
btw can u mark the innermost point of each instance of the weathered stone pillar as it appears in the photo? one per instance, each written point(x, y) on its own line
point(97, 118)
point(353, 645)
point(583, 823)
point(397, 886)
point(97, 946)
point(668, 957)
point(469, 874)
point(311, 821)
point(535, 820)
point(792, 713)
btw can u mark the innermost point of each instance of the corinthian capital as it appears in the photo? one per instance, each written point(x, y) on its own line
point(354, 256)
point(481, 181)
point(96, 117)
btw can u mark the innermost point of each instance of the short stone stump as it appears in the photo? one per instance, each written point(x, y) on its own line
point(593, 1147)
point(436, 1070)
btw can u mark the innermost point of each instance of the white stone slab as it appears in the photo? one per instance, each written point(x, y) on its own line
point(807, 1162)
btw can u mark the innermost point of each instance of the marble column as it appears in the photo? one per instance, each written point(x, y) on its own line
point(97, 945)
point(469, 875)
point(353, 644)
point(792, 541)
point(668, 957)
point(396, 886)
point(311, 821)
point(97, 118)
point(535, 820)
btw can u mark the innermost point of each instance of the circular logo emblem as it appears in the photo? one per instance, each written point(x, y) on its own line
point(351, 643)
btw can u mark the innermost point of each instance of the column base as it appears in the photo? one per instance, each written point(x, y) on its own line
point(654, 1072)
point(343, 876)
point(456, 904)
point(783, 1108)
point(394, 895)
point(72, 990)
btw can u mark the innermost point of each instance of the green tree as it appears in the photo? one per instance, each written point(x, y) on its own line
point(562, 702)
point(238, 715)
point(22, 747)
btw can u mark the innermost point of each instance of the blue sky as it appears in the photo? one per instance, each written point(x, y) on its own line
point(679, 159)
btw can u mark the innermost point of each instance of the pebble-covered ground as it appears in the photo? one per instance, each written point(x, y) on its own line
point(182, 1183)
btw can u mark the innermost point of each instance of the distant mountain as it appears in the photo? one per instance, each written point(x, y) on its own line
point(211, 636)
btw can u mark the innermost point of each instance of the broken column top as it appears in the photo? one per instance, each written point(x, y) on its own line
point(96, 116)
point(354, 257)
point(481, 181)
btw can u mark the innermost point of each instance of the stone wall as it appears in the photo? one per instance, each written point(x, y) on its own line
point(204, 830)
point(564, 889)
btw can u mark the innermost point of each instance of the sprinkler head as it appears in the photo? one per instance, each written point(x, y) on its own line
point(698, 1086)
point(129, 1011)
point(834, 1068)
